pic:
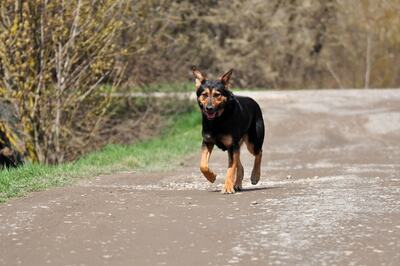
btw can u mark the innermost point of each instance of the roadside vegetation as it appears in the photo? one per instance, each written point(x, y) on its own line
point(73, 73)
point(180, 138)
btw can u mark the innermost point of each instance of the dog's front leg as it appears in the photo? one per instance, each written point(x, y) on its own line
point(206, 149)
point(232, 168)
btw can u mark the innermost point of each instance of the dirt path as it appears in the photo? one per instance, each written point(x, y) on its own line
point(329, 194)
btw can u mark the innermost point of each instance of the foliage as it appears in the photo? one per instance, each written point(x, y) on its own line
point(367, 43)
point(60, 60)
point(274, 44)
point(53, 57)
point(180, 138)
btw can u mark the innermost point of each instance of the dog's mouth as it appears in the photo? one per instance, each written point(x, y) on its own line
point(210, 114)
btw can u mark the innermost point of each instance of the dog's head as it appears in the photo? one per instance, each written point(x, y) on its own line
point(212, 95)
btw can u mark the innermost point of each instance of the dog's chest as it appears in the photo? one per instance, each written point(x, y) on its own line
point(223, 141)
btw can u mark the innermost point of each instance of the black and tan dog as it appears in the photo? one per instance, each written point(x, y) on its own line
point(228, 121)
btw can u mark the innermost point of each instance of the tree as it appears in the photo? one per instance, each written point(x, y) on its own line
point(54, 56)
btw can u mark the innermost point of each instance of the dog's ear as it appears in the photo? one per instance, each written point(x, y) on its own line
point(200, 77)
point(225, 77)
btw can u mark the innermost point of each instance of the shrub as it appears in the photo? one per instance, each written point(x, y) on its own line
point(54, 56)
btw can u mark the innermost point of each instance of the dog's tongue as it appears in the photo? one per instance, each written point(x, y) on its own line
point(210, 115)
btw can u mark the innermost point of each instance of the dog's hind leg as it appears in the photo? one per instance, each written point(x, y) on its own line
point(256, 172)
point(239, 176)
point(254, 141)
point(206, 150)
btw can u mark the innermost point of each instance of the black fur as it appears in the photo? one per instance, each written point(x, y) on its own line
point(241, 116)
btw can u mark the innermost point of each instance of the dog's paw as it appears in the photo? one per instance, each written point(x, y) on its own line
point(238, 187)
point(210, 176)
point(254, 179)
point(228, 189)
point(238, 184)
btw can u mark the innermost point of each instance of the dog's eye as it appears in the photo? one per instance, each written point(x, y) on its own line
point(217, 94)
point(204, 94)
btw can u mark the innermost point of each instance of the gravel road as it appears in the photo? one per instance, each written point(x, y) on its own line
point(329, 195)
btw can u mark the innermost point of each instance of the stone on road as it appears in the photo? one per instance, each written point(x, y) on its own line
point(329, 195)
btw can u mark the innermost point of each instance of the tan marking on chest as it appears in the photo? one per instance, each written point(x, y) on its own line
point(227, 140)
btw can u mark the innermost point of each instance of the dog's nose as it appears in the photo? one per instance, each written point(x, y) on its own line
point(209, 108)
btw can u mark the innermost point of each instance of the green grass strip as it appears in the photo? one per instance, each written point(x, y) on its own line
point(167, 150)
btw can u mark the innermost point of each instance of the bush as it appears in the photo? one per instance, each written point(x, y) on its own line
point(271, 44)
point(54, 55)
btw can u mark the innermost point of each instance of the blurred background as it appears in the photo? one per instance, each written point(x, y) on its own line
point(62, 63)
point(271, 44)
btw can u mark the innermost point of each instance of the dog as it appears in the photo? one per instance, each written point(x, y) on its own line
point(228, 121)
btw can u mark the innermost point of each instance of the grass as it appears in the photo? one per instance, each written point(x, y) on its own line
point(181, 137)
point(166, 87)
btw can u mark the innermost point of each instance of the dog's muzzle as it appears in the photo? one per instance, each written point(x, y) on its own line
point(210, 112)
